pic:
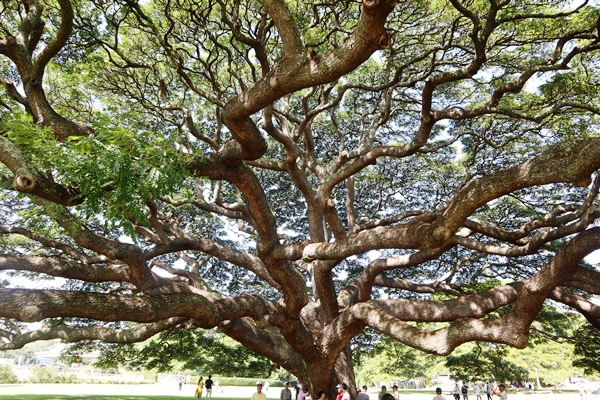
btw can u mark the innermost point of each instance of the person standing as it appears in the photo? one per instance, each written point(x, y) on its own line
point(286, 393)
point(456, 391)
point(209, 385)
point(199, 388)
point(343, 390)
point(438, 394)
point(465, 391)
point(488, 390)
point(259, 395)
point(363, 394)
point(502, 394)
point(266, 386)
point(477, 391)
point(383, 391)
point(395, 392)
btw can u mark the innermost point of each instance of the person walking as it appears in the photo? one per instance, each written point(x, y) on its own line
point(259, 395)
point(286, 393)
point(199, 388)
point(209, 385)
point(438, 394)
point(488, 390)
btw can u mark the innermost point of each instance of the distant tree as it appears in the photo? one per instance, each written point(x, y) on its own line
point(485, 362)
point(587, 349)
point(7, 375)
point(294, 172)
point(392, 360)
point(178, 349)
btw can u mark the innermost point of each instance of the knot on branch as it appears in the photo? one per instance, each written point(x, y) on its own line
point(441, 233)
point(30, 314)
point(263, 322)
point(24, 182)
point(370, 3)
point(309, 252)
point(384, 40)
point(273, 82)
point(521, 341)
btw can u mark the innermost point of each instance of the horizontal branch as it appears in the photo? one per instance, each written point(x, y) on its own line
point(28, 305)
point(28, 179)
point(464, 314)
point(135, 334)
point(65, 269)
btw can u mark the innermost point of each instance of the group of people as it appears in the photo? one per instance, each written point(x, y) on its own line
point(343, 394)
point(457, 392)
point(200, 386)
point(302, 392)
point(488, 389)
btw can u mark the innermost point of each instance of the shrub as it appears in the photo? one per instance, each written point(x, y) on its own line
point(7, 375)
point(50, 375)
point(225, 381)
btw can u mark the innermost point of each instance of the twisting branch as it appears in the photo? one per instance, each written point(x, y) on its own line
point(138, 333)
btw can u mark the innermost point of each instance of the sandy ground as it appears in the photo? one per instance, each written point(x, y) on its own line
point(166, 389)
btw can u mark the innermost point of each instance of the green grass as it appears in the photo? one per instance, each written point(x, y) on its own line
point(95, 397)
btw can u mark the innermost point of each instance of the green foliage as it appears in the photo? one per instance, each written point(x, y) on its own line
point(550, 361)
point(391, 360)
point(206, 352)
point(115, 170)
point(50, 375)
point(7, 375)
point(485, 362)
point(587, 349)
point(227, 381)
point(151, 80)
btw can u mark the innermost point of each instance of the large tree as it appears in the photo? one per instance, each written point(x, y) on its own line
point(299, 171)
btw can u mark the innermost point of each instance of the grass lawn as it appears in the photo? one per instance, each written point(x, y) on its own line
point(96, 397)
point(404, 395)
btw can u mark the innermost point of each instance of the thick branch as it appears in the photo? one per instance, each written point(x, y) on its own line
point(28, 179)
point(65, 269)
point(136, 334)
point(464, 313)
point(35, 305)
